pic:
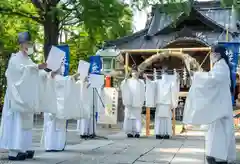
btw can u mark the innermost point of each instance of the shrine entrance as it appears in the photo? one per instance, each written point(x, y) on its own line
point(194, 47)
point(174, 58)
point(190, 42)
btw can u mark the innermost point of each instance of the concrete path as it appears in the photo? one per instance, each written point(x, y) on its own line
point(117, 149)
point(121, 150)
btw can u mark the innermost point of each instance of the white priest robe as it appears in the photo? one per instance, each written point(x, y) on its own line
point(133, 95)
point(209, 102)
point(16, 127)
point(55, 128)
point(164, 99)
point(85, 123)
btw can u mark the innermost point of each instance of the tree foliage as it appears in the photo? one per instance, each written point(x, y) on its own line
point(88, 40)
point(56, 14)
point(87, 22)
point(175, 6)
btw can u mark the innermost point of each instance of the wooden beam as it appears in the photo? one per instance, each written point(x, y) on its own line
point(167, 49)
point(183, 94)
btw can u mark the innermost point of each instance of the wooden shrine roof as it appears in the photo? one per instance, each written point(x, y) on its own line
point(159, 31)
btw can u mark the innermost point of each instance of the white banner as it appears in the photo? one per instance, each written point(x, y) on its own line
point(108, 115)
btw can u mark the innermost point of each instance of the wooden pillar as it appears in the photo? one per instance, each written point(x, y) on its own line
point(147, 121)
point(174, 123)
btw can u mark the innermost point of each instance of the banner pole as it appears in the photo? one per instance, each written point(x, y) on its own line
point(227, 33)
point(167, 49)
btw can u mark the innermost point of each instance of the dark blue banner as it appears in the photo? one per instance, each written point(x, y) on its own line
point(65, 48)
point(95, 68)
point(232, 53)
point(95, 64)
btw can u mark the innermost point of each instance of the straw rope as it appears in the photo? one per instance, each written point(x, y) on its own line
point(190, 62)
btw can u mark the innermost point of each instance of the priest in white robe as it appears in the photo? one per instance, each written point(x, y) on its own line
point(16, 127)
point(55, 132)
point(209, 102)
point(165, 99)
point(133, 95)
point(85, 124)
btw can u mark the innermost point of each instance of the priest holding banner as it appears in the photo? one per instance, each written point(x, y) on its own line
point(54, 128)
point(16, 126)
point(65, 86)
point(91, 85)
point(85, 123)
point(210, 102)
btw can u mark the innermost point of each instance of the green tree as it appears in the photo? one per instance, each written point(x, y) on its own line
point(175, 6)
point(85, 43)
point(53, 15)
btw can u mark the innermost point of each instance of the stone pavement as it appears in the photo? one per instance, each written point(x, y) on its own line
point(120, 150)
point(72, 137)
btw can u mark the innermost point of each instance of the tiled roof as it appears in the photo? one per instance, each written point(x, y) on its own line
point(208, 12)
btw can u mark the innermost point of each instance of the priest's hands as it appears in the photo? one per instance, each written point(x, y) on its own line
point(127, 76)
point(53, 74)
point(145, 76)
point(191, 73)
point(76, 76)
point(52, 116)
point(42, 66)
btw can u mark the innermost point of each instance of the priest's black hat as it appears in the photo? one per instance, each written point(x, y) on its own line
point(24, 37)
point(220, 50)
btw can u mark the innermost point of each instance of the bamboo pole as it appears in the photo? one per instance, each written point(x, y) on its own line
point(167, 49)
point(147, 121)
point(126, 64)
point(206, 59)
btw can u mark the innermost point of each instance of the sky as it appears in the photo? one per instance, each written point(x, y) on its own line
point(139, 20)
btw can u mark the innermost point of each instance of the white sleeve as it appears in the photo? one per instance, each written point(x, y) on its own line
point(209, 97)
point(175, 93)
point(219, 73)
point(16, 66)
point(48, 94)
point(24, 91)
point(150, 93)
point(126, 97)
point(143, 90)
point(122, 84)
